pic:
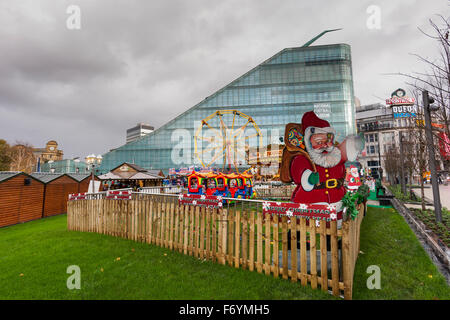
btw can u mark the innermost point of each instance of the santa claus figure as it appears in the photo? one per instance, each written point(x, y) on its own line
point(353, 179)
point(320, 172)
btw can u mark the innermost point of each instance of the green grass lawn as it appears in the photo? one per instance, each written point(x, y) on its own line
point(406, 270)
point(42, 250)
point(34, 257)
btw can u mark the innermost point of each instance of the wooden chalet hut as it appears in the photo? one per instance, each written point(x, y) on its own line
point(129, 175)
point(21, 198)
point(156, 172)
point(58, 186)
point(84, 180)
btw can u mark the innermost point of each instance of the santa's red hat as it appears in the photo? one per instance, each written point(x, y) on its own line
point(312, 124)
point(310, 119)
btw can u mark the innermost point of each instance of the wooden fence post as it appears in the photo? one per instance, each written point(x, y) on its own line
point(202, 233)
point(237, 234)
point(186, 229)
point(230, 243)
point(214, 219)
point(323, 255)
point(276, 246)
point(346, 260)
point(334, 258)
point(251, 244)
point(284, 246)
point(294, 266)
point(223, 235)
point(267, 234)
point(245, 240)
point(303, 261)
point(197, 232)
point(259, 246)
point(312, 252)
point(176, 230)
point(191, 231)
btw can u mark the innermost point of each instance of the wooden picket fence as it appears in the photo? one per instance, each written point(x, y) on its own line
point(237, 236)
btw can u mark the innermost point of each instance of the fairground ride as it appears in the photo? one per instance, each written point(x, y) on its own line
point(228, 133)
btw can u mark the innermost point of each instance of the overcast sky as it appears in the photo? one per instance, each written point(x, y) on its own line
point(148, 61)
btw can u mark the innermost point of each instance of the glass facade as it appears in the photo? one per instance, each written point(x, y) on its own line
point(274, 93)
point(65, 166)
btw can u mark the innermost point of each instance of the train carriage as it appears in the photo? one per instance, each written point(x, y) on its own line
point(197, 183)
point(232, 185)
point(248, 185)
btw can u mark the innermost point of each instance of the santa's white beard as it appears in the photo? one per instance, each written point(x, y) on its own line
point(326, 160)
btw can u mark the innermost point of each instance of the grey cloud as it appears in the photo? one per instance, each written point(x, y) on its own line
point(148, 61)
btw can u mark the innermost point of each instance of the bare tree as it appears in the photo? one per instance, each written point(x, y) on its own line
point(22, 157)
point(436, 78)
point(420, 156)
point(408, 163)
point(392, 164)
point(417, 137)
point(5, 159)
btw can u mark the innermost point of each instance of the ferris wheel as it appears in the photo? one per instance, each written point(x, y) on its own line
point(227, 134)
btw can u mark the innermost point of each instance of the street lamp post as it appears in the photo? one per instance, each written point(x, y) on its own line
point(93, 160)
point(50, 165)
point(432, 158)
point(92, 177)
point(402, 165)
point(380, 169)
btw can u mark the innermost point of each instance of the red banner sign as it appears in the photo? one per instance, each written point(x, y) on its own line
point(119, 195)
point(325, 212)
point(214, 202)
point(77, 196)
point(398, 101)
point(444, 146)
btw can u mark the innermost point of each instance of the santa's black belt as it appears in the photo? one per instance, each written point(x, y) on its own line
point(330, 184)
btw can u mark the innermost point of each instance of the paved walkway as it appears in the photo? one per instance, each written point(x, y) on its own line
point(444, 192)
point(417, 206)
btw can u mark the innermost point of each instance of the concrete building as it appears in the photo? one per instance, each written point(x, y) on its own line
point(377, 124)
point(382, 132)
point(50, 152)
point(140, 130)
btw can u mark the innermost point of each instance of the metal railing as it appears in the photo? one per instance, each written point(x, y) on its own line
point(162, 189)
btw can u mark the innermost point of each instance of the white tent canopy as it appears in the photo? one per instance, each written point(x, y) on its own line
point(142, 176)
point(109, 176)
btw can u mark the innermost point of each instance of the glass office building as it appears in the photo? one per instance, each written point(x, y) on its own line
point(277, 91)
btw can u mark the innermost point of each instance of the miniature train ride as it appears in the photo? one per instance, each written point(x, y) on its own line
point(231, 185)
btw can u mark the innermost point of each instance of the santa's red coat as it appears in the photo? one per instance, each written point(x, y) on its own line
point(330, 195)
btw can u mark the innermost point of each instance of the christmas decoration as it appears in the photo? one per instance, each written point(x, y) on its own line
point(315, 162)
point(309, 211)
point(352, 199)
point(353, 179)
point(200, 200)
point(119, 195)
point(77, 196)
